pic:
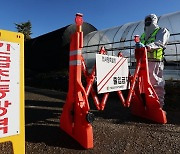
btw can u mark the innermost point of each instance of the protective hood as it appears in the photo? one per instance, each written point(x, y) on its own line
point(149, 29)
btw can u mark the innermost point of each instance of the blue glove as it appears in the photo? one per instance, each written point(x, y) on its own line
point(139, 45)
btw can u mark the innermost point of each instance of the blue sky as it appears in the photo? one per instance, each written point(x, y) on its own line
point(49, 15)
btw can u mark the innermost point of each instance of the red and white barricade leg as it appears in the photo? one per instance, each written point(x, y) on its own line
point(142, 97)
point(76, 118)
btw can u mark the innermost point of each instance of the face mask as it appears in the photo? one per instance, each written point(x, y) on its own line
point(148, 22)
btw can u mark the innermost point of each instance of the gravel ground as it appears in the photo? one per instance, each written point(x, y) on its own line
point(115, 129)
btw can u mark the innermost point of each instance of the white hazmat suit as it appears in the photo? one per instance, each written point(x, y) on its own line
point(156, 67)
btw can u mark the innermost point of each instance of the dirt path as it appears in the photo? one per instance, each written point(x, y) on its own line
point(115, 129)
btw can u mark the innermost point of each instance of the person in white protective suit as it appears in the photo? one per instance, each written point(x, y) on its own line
point(155, 39)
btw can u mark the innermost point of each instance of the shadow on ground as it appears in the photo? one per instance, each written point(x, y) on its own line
point(42, 125)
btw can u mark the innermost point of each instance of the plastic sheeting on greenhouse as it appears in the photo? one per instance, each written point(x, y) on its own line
point(121, 39)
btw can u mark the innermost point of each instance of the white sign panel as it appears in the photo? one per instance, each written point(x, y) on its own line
point(112, 73)
point(9, 89)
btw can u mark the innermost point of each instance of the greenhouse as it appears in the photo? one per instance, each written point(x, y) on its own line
point(121, 39)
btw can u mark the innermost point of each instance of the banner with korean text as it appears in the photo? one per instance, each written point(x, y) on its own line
point(12, 90)
point(112, 73)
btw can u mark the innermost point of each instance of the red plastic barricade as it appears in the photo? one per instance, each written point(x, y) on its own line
point(76, 118)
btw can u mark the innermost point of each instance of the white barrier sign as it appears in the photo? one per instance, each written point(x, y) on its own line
point(112, 73)
point(9, 88)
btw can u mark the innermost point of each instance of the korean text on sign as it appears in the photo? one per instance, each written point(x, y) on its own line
point(9, 85)
point(112, 73)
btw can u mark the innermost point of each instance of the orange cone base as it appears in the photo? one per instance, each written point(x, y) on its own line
point(82, 133)
point(154, 114)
